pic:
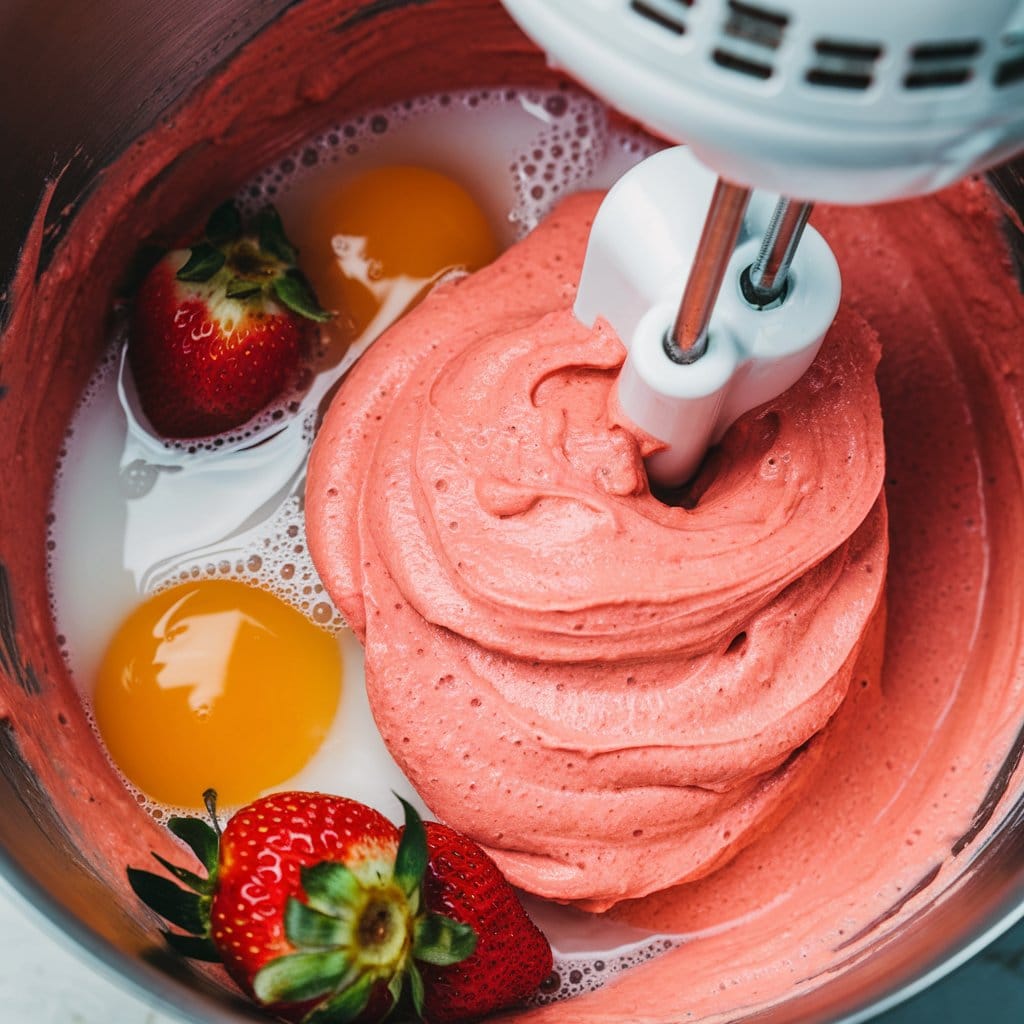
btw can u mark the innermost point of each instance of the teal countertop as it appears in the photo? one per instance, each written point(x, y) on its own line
point(988, 988)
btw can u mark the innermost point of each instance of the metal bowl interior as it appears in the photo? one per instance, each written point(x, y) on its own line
point(96, 94)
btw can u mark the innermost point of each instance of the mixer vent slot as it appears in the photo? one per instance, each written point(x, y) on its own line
point(666, 14)
point(750, 36)
point(734, 62)
point(935, 65)
point(1010, 69)
point(755, 25)
point(841, 64)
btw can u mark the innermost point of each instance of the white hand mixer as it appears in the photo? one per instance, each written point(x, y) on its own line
point(848, 101)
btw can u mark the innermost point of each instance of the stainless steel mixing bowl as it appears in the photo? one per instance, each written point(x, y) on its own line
point(78, 84)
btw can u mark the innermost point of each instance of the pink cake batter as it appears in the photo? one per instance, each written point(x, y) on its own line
point(622, 694)
point(889, 813)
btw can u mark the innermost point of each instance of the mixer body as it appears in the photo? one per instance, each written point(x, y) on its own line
point(816, 99)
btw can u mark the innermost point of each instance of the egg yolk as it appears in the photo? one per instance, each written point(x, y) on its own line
point(215, 683)
point(379, 240)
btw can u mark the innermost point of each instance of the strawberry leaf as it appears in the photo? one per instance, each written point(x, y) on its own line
point(187, 910)
point(273, 239)
point(293, 291)
point(395, 986)
point(201, 838)
point(224, 225)
point(193, 947)
point(300, 976)
point(307, 927)
point(240, 288)
point(416, 990)
point(193, 881)
point(330, 886)
point(411, 859)
point(202, 264)
point(346, 1006)
point(440, 941)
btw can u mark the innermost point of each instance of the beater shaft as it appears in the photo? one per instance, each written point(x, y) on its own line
point(764, 281)
point(688, 339)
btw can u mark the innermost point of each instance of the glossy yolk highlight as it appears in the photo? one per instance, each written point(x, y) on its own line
point(378, 241)
point(215, 683)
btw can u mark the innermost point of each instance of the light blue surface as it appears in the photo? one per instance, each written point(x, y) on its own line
point(42, 982)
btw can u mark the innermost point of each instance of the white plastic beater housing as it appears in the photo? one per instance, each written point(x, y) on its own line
point(641, 248)
point(849, 101)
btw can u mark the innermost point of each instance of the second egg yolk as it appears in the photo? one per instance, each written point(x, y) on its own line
point(377, 241)
point(215, 684)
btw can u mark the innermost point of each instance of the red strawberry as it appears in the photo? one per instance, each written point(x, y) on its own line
point(323, 912)
point(512, 957)
point(218, 329)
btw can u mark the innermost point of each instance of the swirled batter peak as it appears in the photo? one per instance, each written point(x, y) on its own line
point(612, 694)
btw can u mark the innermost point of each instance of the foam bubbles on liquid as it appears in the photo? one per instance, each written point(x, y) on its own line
point(553, 142)
point(575, 976)
point(563, 158)
point(277, 560)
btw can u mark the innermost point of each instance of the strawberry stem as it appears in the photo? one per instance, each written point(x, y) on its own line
point(210, 803)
